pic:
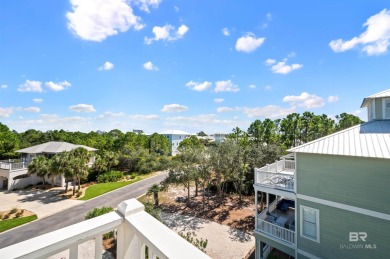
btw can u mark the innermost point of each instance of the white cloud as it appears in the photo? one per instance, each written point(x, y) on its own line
point(5, 112)
point(225, 31)
point(167, 33)
point(82, 108)
point(199, 86)
point(269, 16)
point(31, 86)
point(374, 41)
point(3, 86)
point(226, 86)
point(268, 88)
point(270, 111)
point(37, 100)
point(106, 66)
point(219, 100)
point(95, 20)
point(282, 67)
point(305, 100)
point(291, 54)
point(249, 43)
point(270, 61)
point(149, 66)
point(174, 108)
point(109, 115)
point(333, 98)
point(145, 117)
point(60, 86)
point(145, 4)
point(228, 109)
point(28, 109)
point(176, 9)
point(252, 86)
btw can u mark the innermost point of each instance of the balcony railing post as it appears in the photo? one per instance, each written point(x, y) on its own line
point(127, 242)
point(98, 247)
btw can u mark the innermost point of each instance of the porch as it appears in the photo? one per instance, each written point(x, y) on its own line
point(278, 221)
point(278, 175)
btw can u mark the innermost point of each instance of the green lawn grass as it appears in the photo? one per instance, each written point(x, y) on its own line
point(11, 223)
point(101, 188)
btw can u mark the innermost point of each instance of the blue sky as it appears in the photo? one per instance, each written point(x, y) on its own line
point(191, 65)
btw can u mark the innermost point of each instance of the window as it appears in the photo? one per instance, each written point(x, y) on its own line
point(386, 114)
point(310, 222)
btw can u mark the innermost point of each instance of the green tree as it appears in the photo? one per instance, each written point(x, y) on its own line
point(345, 120)
point(154, 190)
point(39, 166)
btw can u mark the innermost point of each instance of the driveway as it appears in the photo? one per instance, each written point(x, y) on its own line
point(77, 213)
point(41, 202)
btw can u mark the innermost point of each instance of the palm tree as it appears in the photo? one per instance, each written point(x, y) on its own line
point(79, 158)
point(57, 166)
point(39, 166)
point(154, 189)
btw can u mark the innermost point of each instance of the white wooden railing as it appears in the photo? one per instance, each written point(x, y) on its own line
point(276, 231)
point(271, 207)
point(135, 228)
point(278, 175)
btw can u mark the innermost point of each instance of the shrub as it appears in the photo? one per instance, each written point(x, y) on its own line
point(98, 212)
point(191, 237)
point(13, 210)
point(1, 215)
point(112, 176)
point(6, 216)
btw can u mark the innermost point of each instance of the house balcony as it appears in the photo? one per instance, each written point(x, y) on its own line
point(278, 221)
point(278, 176)
point(135, 230)
point(14, 164)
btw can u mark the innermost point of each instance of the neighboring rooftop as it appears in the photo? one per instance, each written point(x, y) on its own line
point(371, 139)
point(174, 132)
point(52, 147)
point(367, 100)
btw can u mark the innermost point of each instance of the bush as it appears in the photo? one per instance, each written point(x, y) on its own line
point(98, 212)
point(112, 176)
point(13, 210)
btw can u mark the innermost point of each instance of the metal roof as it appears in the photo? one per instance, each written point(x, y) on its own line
point(367, 100)
point(174, 132)
point(53, 147)
point(371, 139)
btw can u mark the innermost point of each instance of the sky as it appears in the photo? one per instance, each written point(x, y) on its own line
point(193, 65)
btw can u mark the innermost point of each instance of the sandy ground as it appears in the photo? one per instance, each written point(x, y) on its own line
point(223, 242)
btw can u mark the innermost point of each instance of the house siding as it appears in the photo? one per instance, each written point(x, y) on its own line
point(359, 182)
point(379, 108)
point(335, 225)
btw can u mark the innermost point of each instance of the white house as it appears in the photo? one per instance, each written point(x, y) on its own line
point(14, 172)
point(219, 137)
point(175, 137)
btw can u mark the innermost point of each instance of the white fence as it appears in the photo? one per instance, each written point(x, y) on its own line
point(276, 231)
point(135, 228)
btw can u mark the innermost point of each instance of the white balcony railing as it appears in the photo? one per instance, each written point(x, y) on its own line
point(277, 175)
point(12, 165)
point(276, 231)
point(135, 228)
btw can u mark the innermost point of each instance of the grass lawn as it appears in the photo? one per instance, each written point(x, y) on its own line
point(11, 223)
point(102, 188)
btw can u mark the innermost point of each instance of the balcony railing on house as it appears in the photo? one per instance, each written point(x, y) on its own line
point(14, 164)
point(279, 226)
point(277, 175)
point(135, 229)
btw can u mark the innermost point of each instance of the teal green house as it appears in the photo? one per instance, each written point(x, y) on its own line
point(330, 198)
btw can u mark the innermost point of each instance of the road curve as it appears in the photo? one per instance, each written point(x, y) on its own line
point(77, 213)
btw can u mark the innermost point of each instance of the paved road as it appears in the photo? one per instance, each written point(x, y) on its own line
point(76, 214)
